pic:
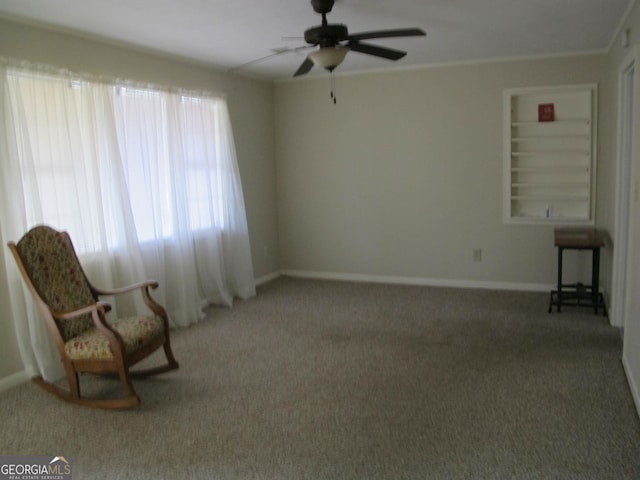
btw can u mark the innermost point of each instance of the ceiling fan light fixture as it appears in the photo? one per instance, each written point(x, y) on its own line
point(329, 57)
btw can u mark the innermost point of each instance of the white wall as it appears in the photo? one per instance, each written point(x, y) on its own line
point(403, 177)
point(250, 107)
point(631, 349)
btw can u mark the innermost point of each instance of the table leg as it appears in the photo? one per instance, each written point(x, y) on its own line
point(559, 277)
point(595, 278)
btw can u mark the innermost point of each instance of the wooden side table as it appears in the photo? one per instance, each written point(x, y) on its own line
point(578, 294)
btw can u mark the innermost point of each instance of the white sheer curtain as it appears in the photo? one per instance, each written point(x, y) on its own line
point(145, 180)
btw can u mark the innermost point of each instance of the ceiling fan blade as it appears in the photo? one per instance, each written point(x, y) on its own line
point(402, 32)
point(251, 62)
point(377, 51)
point(275, 53)
point(306, 66)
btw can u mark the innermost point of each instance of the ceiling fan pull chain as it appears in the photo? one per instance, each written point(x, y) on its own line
point(333, 88)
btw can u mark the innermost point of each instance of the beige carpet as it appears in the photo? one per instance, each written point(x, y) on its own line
point(331, 380)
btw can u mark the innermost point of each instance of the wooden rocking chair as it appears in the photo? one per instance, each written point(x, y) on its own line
point(75, 318)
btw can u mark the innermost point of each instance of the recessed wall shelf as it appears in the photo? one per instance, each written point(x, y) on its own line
point(550, 166)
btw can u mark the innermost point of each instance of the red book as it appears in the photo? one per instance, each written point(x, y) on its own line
point(545, 112)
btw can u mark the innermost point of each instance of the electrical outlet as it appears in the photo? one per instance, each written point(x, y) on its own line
point(477, 255)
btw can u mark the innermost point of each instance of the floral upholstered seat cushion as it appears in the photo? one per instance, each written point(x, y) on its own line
point(136, 332)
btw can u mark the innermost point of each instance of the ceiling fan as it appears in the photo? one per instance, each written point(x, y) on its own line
point(335, 41)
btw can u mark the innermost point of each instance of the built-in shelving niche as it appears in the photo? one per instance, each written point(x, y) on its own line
point(550, 166)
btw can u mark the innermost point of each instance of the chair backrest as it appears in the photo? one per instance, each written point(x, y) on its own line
point(50, 261)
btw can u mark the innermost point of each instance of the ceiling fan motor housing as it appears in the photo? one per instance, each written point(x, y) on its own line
point(327, 35)
point(322, 6)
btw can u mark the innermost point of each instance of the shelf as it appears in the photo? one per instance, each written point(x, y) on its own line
point(569, 121)
point(553, 169)
point(550, 167)
point(550, 152)
point(535, 138)
point(556, 221)
point(551, 185)
point(551, 198)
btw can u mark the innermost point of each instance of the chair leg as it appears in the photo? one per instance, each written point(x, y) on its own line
point(74, 384)
point(171, 364)
point(125, 378)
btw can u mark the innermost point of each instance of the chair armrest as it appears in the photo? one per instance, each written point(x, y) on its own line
point(97, 311)
point(118, 291)
point(88, 310)
point(144, 288)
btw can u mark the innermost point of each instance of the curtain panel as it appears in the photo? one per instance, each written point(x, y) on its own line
point(144, 179)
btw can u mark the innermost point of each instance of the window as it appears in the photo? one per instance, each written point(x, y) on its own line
point(167, 147)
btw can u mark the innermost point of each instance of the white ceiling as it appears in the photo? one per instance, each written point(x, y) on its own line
point(229, 33)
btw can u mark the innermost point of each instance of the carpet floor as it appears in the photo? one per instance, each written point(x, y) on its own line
point(337, 380)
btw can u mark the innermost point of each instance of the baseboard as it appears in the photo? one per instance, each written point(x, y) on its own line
point(417, 281)
point(13, 380)
point(633, 386)
point(267, 278)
